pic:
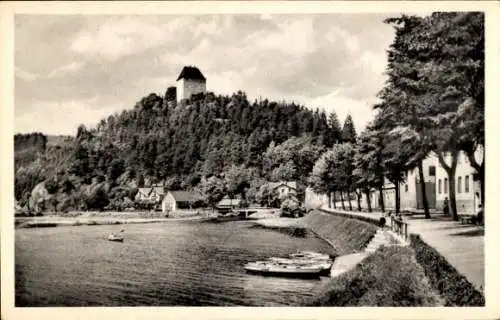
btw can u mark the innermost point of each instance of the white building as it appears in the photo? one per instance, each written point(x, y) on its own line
point(467, 186)
point(190, 81)
point(411, 194)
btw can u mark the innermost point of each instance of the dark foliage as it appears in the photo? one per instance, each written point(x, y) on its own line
point(390, 277)
point(452, 286)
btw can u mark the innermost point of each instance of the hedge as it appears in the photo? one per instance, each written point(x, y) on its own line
point(391, 277)
point(454, 288)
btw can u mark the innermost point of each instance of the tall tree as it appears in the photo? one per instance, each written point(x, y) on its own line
point(334, 124)
point(404, 87)
point(323, 176)
point(454, 74)
point(348, 130)
point(369, 167)
point(435, 64)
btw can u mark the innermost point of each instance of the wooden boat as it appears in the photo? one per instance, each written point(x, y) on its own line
point(309, 255)
point(324, 264)
point(114, 237)
point(283, 270)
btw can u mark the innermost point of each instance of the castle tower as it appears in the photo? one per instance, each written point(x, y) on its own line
point(191, 81)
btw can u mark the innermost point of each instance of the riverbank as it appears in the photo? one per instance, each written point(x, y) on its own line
point(345, 235)
point(54, 221)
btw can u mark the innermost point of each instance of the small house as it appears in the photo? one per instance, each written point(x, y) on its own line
point(157, 193)
point(227, 204)
point(285, 189)
point(178, 200)
point(143, 194)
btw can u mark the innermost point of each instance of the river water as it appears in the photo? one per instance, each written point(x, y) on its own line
point(158, 264)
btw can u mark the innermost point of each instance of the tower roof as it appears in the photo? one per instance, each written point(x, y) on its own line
point(191, 73)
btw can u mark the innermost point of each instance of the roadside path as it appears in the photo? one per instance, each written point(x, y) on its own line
point(461, 245)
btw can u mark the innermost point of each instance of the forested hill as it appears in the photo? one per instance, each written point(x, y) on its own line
point(206, 135)
point(178, 146)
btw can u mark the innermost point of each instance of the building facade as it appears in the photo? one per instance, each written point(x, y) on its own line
point(467, 186)
point(411, 192)
point(178, 200)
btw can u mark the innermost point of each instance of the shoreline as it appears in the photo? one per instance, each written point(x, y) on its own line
point(48, 222)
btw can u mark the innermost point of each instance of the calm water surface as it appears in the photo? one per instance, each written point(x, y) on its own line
point(160, 264)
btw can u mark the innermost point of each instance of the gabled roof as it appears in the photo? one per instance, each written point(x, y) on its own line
point(191, 73)
point(160, 190)
point(229, 202)
point(290, 184)
point(184, 196)
point(145, 191)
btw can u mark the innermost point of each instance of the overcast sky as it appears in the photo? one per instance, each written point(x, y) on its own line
point(80, 68)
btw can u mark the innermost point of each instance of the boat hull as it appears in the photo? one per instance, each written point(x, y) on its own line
point(286, 274)
point(115, 239)
point(268, 269)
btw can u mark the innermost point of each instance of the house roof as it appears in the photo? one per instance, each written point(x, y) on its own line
point(229, 202)
point(191, 73)
point(290, 184)
point(184, 196)
point(160, 190)
point(145, 191)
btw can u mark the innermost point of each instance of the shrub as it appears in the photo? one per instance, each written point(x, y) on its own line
point(390, 277)
point(452, 286)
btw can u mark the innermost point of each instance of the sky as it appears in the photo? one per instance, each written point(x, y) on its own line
point(77, 69)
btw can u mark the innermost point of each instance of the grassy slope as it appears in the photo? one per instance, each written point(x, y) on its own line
point(390, 277)
point(346, 235)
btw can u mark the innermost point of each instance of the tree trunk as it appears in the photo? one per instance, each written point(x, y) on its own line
point(358, 196)
point(342, 200)
point(334, 200)
point(368, 200)
point(450, 170)
point(381, 198)
point(422, 189)
point(396, 194)
point(453, 199)
point(349, 199)
point(329, 200)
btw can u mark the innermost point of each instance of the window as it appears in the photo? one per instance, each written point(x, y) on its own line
point(406, 187)
point(439, 186)
point(459, 185)
point(432, 171)
point(445, 185)
point(466, 184)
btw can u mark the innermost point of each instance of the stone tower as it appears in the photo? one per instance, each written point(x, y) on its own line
point(190, 81)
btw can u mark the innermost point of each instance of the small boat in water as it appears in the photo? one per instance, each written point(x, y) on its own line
point(309, 255)
point(325, 263)
point(114, 237)
point(284, 270)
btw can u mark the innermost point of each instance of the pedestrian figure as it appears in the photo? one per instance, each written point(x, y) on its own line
point(480, 214)
point(446, 207)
